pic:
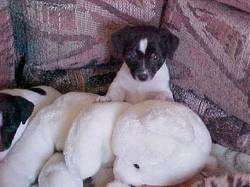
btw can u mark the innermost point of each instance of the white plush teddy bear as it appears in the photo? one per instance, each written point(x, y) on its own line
point(17, 108)
point(159, 143)
point(87, 148)
point(45, 133)
point(56, 174)
point(155, 143)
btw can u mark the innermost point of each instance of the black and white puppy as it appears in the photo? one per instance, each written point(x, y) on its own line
point(17, 107)
point(145, 51)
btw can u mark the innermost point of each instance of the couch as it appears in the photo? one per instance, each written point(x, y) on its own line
point(66, 44)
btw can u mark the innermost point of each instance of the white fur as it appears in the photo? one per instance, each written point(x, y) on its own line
point(167, 140)
point(88, 146)
point(125, 88)
point(56, 174)
point(39, 102)
point(143, 44)
point(46, 132)
point(117, 184)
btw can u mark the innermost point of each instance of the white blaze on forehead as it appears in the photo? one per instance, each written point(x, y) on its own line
point(143, 45)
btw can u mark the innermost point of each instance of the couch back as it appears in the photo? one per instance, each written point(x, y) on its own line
point(65, 38)
point(7, 50)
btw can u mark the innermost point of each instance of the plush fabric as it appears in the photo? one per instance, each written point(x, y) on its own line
point(7, 52)
point(17, 108)
point(26, 158)
point(213, 55)
point(81, 157)
point(55, 173)
point(71, 34)
point(163, 143)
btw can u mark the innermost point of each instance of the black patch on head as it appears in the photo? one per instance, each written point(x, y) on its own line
point(14, 109)
point(169, 43)
point(38, 90)
point(161, 47)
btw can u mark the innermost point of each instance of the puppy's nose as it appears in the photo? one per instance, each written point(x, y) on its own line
point(142, 76)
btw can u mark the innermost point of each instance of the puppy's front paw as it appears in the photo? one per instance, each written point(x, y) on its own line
point(103, 99)
point(163, 97)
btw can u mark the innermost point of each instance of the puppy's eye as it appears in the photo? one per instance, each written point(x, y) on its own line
point(154, 56)
point(136, 166)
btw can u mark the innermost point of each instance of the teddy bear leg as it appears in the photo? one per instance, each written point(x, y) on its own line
point(55, 174)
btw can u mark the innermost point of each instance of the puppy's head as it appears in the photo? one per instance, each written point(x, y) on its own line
point(14, 110)
point(144, 49)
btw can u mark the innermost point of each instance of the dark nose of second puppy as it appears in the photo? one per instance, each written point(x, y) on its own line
point(142, 76)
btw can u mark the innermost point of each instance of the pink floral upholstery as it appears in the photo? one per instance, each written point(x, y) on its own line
point(69, 34)
point(68, 47)
point(213, 58)
point(7, 52)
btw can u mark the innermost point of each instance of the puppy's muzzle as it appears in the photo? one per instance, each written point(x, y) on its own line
point(142, 76)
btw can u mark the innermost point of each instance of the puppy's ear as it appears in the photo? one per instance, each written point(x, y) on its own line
point(169, 43)
point(120, 40)
point(14, 109)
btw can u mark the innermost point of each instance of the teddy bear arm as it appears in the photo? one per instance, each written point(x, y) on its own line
point(83, 151)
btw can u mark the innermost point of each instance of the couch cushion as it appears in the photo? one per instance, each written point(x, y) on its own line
point(213, 58)
point(240, 4)
point(7, 52)
point(224, 128)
